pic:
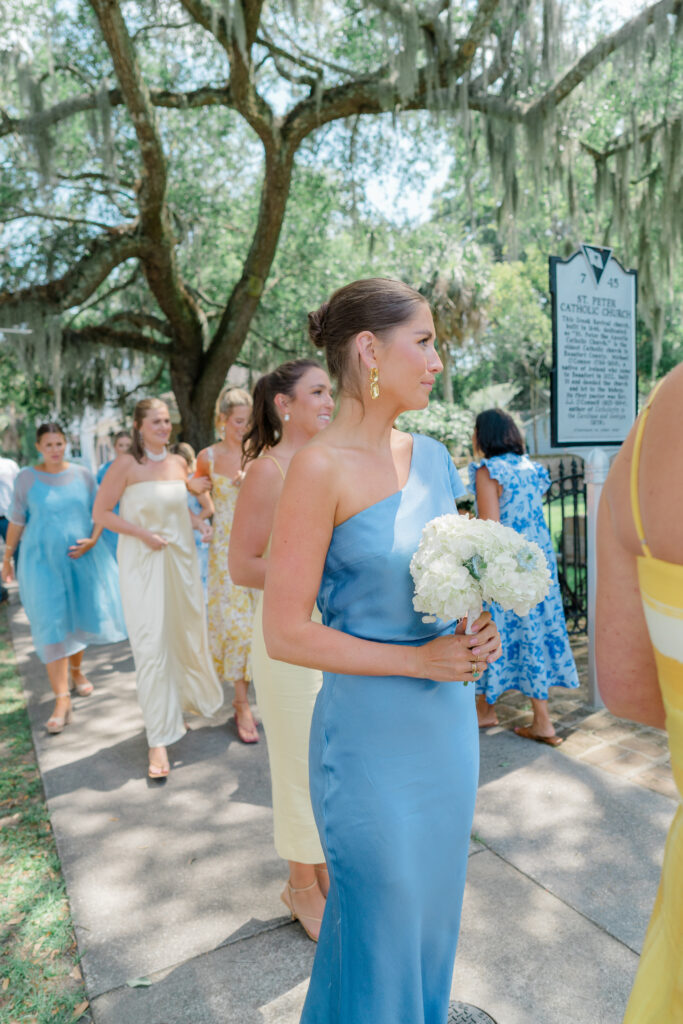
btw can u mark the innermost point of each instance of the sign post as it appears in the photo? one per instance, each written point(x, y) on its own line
point(594, 387)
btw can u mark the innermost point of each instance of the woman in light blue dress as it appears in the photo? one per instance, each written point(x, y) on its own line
point(122, 443)
point(67, 581)
point(201, 508)
point(509, 487)
point(394, 741)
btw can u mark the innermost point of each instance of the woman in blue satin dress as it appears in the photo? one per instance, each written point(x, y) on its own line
point(394, 738)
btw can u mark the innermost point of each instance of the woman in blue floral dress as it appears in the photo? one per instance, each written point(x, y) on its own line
point(509, 487)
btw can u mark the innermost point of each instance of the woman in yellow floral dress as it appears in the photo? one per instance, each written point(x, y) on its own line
point(231, 608)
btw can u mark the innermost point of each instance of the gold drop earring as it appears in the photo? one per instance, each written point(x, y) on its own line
point(374, 382)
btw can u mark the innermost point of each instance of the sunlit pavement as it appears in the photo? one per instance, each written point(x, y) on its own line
point(178, 884)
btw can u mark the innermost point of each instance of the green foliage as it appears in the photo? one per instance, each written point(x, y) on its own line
point(517, 194)
point(520, 336)
point(39, 975)
point(447, 423)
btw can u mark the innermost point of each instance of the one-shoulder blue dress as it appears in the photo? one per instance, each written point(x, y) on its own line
point(393, 771)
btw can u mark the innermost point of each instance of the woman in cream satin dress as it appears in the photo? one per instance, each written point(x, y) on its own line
point(161, 589)
point(291, 405)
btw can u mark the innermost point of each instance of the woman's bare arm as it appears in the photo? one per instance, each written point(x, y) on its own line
point(488, 495)
point(14, 532)
point(206, 505)
point(303, 527)
point(627, 673)
point(253, 522)
point(108, 495)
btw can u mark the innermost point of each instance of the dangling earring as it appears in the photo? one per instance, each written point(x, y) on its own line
point(374, 382)
point(286, 417)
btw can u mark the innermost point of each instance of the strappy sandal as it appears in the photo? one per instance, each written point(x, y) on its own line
point(82, 689)
point(288, 897)
point(55, 723)
point(245, 734)
point(526, 732)
point(157, 771)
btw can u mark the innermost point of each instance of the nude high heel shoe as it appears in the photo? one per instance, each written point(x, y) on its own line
point(56, 723)
point(83, 689)
point(246, 734)
point(288, 897)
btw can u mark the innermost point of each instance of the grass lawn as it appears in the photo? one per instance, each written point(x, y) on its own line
point(40, 980)
point(553, 516)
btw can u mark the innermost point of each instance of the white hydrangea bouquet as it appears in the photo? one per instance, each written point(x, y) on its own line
point(461, 562)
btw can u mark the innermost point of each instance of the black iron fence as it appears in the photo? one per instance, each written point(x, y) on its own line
point(565, 507)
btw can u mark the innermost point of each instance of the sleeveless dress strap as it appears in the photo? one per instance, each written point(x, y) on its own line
point(273, 459)
point(210, 452)
point(635, 466)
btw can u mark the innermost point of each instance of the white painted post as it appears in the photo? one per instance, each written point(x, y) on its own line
point(596, 466)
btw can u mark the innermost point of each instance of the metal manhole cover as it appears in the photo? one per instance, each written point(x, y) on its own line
point(465, 1013)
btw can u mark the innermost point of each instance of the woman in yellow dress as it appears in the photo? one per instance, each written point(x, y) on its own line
point(231, 608)
point(161, 591)
point(639, 632)
point(291, 405)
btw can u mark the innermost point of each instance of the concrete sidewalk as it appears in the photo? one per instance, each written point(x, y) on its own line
point(178, 883)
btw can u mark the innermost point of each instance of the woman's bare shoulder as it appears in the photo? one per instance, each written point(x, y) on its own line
point(122, 466)
point(178, 462)
point(265, 464)
point(320, 457)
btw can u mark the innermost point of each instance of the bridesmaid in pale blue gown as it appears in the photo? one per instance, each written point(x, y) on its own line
point(122, 443)
point(67, 581)
point(394, 738)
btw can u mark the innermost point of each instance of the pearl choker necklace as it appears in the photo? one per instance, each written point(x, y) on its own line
point(156, 458)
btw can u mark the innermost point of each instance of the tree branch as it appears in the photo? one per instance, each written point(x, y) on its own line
point(206, 96)
point(583, 67)
point(136, 97)
point(21, 214)
point(120, 287)
point(159, 261)
point(623, 142)
point(247, 100)
point(375, 93)
point(102, 334)
point(306, 60)
point(106, 253)
point(145, 385)
point(210, 17)
point(138, 319)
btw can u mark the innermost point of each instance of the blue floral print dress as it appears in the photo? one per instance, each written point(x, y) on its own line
point(536, 651)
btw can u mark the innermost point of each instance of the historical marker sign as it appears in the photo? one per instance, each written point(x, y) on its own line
point(594, 387)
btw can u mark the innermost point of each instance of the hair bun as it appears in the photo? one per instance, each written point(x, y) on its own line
point(316, 325)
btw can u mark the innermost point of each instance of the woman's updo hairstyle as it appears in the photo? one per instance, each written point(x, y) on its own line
point(231, 398)
point(497, 434)
point(265, 426)
point(137, 448)
point(376, 304)
point(49, 428)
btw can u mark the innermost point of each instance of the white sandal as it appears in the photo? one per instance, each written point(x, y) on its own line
point(56, 723)
point(82, 689)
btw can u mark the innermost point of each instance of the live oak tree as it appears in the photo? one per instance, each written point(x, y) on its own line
point(150, 150)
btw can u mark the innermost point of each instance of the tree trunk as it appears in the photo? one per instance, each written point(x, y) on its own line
point(446, 377)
